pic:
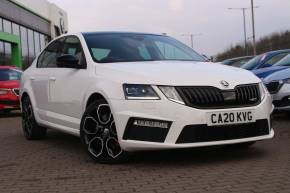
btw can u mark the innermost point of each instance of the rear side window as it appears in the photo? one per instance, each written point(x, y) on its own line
point(7, 74)
point(48, 57)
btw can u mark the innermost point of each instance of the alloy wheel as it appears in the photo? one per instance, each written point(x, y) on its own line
point(99, 133)
point(27, 117)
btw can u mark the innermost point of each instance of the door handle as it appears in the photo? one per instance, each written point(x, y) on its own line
point(31, 78)
point(52, 78)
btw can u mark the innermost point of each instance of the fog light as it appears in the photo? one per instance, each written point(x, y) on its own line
point(151, 123)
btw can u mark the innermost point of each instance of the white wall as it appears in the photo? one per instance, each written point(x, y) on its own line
point(49, 11)
point(40, 7)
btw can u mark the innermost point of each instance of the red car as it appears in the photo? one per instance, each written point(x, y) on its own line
point(9, 88)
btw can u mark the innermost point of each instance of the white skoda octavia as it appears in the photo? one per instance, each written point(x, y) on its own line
point(125, 92)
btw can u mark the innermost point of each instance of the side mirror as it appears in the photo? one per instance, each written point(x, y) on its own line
point(67, 61)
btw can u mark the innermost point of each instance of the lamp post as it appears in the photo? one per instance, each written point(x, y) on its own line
point(243, 9)
point(253, 26)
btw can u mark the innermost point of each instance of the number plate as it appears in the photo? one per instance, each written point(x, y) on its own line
point(230, 118)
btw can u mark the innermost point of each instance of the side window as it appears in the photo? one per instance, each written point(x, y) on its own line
point(276, 58)
point(73, 46)
point(48, 57)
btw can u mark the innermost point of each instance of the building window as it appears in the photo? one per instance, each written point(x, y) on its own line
point(24, 45)
point(15, 29)
point(31, 47)
point(36, 43)
point(2, 55)
point(7, 52)
point(7, 26)
point(32, 43)
point(1, 24)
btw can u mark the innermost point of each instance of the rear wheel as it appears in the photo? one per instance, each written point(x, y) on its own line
point(99, 135)
point(30, 127)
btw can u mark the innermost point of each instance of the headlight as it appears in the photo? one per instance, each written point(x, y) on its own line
point(139, 92)
point(171, 93)
point(3, 91)
point(286, 81)
point(263, 90)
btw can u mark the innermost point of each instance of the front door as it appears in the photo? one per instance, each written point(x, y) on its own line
point(67, 86)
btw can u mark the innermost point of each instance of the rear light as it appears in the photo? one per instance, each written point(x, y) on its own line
point(4, 91)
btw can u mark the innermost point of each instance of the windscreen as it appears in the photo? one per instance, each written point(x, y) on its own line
point(108, 48)
point(7, 74)
point(252, 64)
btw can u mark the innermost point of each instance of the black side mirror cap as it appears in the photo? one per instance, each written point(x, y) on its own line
point(68, 61)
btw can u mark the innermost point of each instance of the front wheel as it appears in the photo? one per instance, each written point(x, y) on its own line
point(99, 135)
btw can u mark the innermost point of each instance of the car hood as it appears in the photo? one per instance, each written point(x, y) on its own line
point(278, 75)
point(10, 84)
point(264, 72)
point(177, 73)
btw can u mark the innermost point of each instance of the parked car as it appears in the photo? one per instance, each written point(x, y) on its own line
point(9, 88)
point(277, 80)
point(281, 65)
point(126, 92)
point(266, 60)
point(237, 62)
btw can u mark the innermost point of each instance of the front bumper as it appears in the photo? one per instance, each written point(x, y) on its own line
point(179, 117)
point(281, 99)
point(9, 102)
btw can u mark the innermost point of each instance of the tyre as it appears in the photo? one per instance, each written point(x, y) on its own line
point(99, 135)
point(31, 129)
point(6, 111)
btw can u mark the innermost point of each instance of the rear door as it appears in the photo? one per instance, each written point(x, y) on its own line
point(39, 79)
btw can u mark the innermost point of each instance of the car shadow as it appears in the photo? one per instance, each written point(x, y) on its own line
point(176, 157)
point(281, 116)
point(199, 156)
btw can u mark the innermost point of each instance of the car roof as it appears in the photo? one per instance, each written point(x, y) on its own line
point(278, 51)
point(238, 58)
point(10, 68)
point(119, 33)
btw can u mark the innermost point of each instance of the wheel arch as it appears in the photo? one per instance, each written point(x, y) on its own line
point(24, 94)
point(94, 97)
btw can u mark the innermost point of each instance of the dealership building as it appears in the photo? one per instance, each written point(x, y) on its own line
point(26, 26)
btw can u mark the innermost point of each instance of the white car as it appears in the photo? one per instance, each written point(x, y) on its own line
point(126, 92)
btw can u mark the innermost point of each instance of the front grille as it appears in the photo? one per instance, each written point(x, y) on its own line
point(7, 102)
point(206, 97)
point(16, 91)
point(273, 87)
point(204, 133)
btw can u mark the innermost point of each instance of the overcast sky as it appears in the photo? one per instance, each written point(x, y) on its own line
point(220, 27)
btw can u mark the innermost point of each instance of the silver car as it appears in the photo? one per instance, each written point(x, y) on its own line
point(278, 84)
